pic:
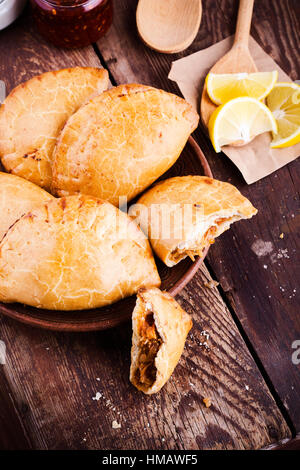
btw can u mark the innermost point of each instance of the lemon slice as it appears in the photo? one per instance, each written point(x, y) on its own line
point(284, 102)
point(238, 121)
point(224, 87)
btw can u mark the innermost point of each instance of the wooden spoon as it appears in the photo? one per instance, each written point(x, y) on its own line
point(168, 25)
point(237, 60)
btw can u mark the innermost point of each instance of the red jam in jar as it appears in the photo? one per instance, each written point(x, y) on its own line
point(72, 23)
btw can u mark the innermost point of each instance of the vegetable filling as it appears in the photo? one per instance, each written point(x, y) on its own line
point(145, 374)
point(196, 248)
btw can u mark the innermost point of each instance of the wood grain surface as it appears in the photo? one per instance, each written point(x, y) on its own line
point(55, 376)
point(258, 271)
point(49, 380)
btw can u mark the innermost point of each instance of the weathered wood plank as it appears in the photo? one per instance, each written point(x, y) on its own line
point(53, 377)
point(257, 269)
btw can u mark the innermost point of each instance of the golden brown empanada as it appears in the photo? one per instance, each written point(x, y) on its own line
point(34, 113)
point(17, 196)
point(74, 253)
point(121, 141)
point(183, 215)
point(160, 327)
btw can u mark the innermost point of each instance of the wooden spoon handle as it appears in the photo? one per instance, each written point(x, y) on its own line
point(243, 23)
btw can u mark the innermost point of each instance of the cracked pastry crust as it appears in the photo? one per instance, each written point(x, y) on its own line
point(210, 207)
point(160, 327)
point(68, 255)
point(121, 141)
point(34, 113)
point(17, 196)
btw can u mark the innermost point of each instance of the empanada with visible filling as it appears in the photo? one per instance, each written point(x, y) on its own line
point(74, 253)
point(183, 215)
point(121, 142)
point(160, 327)
point(34, 113)
point(17, 196)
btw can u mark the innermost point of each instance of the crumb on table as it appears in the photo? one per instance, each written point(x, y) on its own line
point(115, 424)
point(207, 402)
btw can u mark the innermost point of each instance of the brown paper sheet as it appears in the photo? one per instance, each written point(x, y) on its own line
point(256, 159)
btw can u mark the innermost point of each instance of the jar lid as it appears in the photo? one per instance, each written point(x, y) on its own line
point(9, 11)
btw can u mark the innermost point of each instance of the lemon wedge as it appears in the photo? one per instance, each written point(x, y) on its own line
point(284, 102)
point(224, 87)
point(238, 121)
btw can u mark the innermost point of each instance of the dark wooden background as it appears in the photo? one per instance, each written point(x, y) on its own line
point(49, 381)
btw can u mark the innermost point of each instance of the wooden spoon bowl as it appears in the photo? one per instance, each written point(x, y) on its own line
point(168, 25)
point(192, 161)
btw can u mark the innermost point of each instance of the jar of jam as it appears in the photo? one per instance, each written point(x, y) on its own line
point(72, 23)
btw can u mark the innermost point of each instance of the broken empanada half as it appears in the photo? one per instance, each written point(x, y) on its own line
point(183, 215)
point(121, 142)
point(17, 197)
point(160, 327)
point(34, 113)
point(74, 253)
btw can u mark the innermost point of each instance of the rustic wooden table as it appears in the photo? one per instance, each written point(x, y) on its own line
point(49, 381)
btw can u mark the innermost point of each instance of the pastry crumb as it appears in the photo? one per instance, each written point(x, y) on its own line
point(211, 284)
point(97, 396)
point(115, 424)
point(204, 343)
point(207, 402)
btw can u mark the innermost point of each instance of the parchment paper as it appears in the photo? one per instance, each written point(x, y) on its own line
point(256, 159)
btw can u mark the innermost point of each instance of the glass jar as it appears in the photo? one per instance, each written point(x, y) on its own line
point(72, 23)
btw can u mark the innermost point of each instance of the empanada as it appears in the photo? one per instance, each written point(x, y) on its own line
point(74, 253)
point(34, 113)
point(183, 215)
point(17, 196)
point(121, 142)
point(160, 327)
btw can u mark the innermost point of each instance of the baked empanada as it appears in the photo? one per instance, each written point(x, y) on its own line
point(184, 215)
point(74, 253)
point(17, 196)
point(160, 327)
point(34, 113)
point(121, 142)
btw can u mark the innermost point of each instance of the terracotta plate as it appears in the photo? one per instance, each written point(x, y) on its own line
point(191, 162)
